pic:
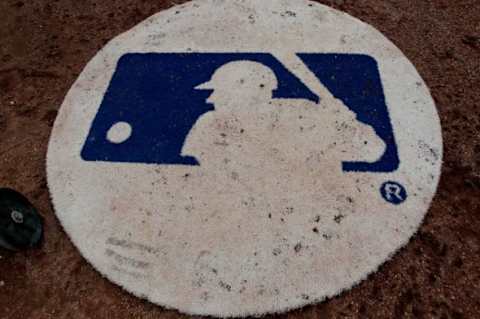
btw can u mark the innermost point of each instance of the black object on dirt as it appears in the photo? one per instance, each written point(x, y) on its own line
point(21, 226)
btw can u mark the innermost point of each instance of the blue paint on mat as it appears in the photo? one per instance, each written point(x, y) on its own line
point(154, 93)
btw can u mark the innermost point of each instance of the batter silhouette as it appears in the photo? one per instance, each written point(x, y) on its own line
point(259, 136)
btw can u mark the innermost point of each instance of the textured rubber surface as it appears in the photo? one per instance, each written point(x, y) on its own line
point(315, 162)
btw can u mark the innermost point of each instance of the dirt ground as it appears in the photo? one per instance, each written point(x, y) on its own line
point(44, 45)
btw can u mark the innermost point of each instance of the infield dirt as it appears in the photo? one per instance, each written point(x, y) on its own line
point(46, 44)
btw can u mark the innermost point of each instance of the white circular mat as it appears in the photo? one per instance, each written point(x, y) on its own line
point(237, 158)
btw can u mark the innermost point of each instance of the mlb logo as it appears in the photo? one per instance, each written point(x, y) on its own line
point(158, 97)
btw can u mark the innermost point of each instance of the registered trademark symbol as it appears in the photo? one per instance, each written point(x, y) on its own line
point(393, 192)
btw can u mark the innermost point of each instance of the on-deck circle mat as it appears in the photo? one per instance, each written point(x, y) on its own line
point(233, 158)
